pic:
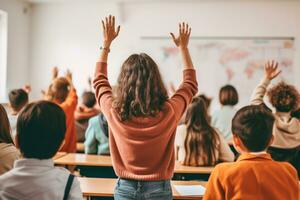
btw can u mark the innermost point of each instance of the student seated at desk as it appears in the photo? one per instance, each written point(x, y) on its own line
point(285, 99)
point(62, 92)
point(221, 119)
point(96, 136)
point(18, 99)
point(197, 143)
point(8, 151)
point(254, 175)
point(40, 131)
point(85, 111)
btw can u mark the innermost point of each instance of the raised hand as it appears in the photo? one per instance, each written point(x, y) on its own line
point(109, 31)
point(182, 40)
point(27, 88)
point(271, 70)
point(69, 76)
point(54, 73)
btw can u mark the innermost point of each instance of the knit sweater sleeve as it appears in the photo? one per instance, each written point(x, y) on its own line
point(102, 88)
point(257, 97)
point(183, 96)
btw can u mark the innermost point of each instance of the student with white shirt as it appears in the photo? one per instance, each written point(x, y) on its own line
point(221, 119)
point(197, 143)
point(41, 128)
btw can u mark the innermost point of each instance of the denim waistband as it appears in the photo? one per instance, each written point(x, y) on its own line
point(141, 184)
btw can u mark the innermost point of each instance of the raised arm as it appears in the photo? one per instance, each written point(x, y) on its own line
point(101, 85)
point(109, 34)
point(189, 87)
point(182, 42)
point(271, 72)
point(72, 99)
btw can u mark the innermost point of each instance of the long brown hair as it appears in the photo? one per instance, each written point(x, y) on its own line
point(140, 91)
point(5, 130)
point(201, 139)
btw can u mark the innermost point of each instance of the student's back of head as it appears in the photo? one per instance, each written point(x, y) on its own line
point(253, 125)
point(58, 90)
point(201, 139)
point(5, 135)
point(18, 98)
point(140, 91)
point(284, 97)
point(41, 129)
point(228, 95)
point(89, 99)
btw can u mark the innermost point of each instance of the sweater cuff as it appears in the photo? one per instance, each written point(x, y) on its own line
point(101, 68)
point(265, 82)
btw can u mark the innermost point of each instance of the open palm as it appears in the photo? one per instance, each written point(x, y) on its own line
point(109, 30)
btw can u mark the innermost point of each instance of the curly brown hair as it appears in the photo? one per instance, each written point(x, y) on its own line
point(284, 97)
point(140, 91)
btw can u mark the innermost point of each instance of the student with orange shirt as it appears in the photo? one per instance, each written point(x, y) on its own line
point(142, 119)
point(62, 92)
point(254, 175)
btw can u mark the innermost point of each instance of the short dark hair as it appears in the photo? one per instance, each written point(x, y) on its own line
point(88, 99)
point(254, 126)
point(228, 95)
point(41, 129)
point(284, 97)
point(18, 98)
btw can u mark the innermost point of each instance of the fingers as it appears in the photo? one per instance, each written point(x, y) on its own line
point(184, 29)
point(118, 30)
point(113, 21)
point(189, 33)
point(180, 29)
point(173, 37)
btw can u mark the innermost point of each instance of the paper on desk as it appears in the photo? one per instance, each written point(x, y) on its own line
point(190, 190)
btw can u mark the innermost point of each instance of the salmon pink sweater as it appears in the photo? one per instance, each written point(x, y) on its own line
point(142, 148)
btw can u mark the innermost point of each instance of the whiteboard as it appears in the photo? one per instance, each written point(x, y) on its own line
point(220, 61)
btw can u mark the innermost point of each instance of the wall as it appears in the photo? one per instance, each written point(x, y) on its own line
point(18, 42)
point(68, 34)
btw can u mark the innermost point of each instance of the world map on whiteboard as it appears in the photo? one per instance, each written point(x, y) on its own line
point(239, 62)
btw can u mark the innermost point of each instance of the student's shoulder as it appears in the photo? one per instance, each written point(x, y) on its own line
point(225, 168)
point(94, 120)
point(286, 166)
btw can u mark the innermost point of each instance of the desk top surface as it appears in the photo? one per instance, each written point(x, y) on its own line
point(105, 161)
point(105, 187)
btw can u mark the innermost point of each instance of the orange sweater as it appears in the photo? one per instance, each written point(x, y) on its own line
point(142, 148)
point(253, 177)
point(69, 106)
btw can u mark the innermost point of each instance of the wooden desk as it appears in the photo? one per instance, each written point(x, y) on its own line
point(100, 187)
point(80, 147)
point(59, 155)
point(84, 160)
point(105, 161)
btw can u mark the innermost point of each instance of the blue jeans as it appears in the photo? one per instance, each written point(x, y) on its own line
point(143, 190)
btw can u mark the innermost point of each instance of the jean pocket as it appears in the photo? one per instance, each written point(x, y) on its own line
point(159, 192)
point(124, 191)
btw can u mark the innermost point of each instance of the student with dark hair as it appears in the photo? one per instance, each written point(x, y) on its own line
point(221, 119)
point(62, 92)
point(142, 118)
point(254, 175)
point(41, 130)
point(198, 143)
point(285, 99)
point(18, 98)
point(8, 151)
point(85, 111)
